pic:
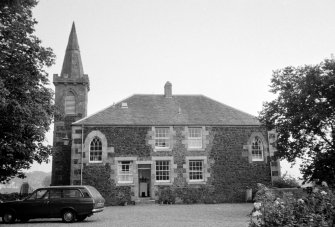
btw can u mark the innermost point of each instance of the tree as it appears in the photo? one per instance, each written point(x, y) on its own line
point(303, 114)
point(26, 104)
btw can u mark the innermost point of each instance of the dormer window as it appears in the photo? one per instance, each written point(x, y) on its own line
point(70, 103)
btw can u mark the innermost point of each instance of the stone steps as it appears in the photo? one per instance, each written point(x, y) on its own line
point(141, 201)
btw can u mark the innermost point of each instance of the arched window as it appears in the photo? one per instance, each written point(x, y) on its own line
point(70, 103)
point(257, 149)
point(96, 150)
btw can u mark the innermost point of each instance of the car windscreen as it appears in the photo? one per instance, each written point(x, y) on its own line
point(38, 194)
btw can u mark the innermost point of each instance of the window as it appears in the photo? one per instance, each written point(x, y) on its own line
point(257, 149)
point(86, 193)
point(96, 150)
point(195, 138)
point(196, 170)
point(163, 171)
point(55, 194)
point(70, 103)
point(71, 193)
point(125, 172)
point(162, 138)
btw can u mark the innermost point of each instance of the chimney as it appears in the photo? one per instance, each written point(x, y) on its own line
point(168, 90)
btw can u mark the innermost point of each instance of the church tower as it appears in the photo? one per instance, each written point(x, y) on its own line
point(71, 88)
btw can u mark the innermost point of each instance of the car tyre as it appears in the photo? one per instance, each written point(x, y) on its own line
point(8, 217)
point(81, 217)
point(68, 216)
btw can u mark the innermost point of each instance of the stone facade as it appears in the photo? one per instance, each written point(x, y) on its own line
point(169, 148)
point(228, 167)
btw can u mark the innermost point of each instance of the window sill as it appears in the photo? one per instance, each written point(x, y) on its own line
point(162, 149)
point(95, 162)
point(196, 149)
point(258, 160)
point(196, 182)
point(125, 184)
point(162, 183)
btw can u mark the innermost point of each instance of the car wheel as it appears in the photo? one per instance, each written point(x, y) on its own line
point(8, 217)
point(68, 216)
point(81, 217)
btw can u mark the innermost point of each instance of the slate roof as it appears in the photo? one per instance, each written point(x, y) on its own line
point(72, 64)
point(154, 110)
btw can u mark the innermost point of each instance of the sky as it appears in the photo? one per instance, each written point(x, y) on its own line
point(226, 50)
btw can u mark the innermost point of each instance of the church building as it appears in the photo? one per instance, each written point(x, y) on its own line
point(164, 147)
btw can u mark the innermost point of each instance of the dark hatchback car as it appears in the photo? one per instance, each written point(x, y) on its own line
point(70, 203)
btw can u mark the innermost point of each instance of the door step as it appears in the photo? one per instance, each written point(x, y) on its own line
point(145, 201)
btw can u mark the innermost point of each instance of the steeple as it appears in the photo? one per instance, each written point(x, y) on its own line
point(71, 97)
point(72, 65)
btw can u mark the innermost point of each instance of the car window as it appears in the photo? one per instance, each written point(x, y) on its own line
point(94, 191)
point(71, 193)
point(39, 194)
point(86, 193)
point(32, 197)
point(55, 194)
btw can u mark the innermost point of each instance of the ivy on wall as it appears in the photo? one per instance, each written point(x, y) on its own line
point(127, 141)
point(99, 176)
point(231, 173)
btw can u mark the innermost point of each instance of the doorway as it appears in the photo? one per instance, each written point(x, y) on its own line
point(144, 179)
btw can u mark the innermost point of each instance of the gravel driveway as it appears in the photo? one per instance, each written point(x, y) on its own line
point(229, 215)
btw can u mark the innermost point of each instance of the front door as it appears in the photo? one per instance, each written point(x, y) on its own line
point(144, 178)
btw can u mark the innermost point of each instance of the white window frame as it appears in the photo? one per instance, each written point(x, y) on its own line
point(193, 139)
point(191, 171)
point(257, 149)
point(97, 151)
point(166, 137)
point(168, 171)
point(125, 173)
point(70, 103)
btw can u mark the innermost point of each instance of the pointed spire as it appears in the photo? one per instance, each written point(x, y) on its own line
point(73, 40)
point(72, 65)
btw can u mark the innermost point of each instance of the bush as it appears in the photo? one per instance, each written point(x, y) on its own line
point(314, 209)
point(9, 197)
point(166, 196)
point(122, 195)
point(286, 181)
point(198, 194)
point(188, 195)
